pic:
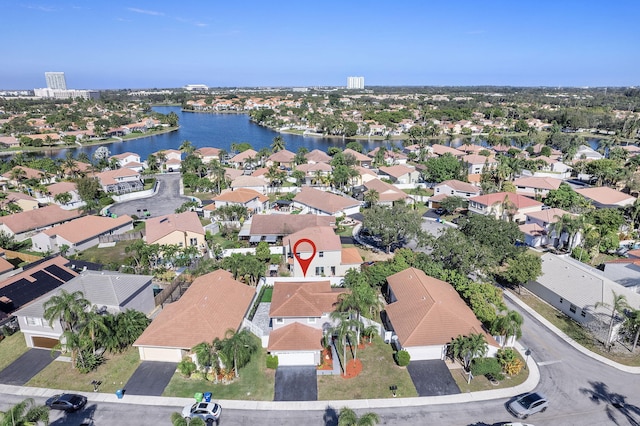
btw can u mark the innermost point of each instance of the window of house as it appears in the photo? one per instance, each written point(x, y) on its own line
point(319, 270)
point(583, 313)
point(34, 322)
point(321, 254)
point(279, 320)
point(193, 241)
point(573, 309)
point(311, 320)
point(561, 300)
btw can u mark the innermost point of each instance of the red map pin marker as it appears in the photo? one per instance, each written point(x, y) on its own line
point(304, 263)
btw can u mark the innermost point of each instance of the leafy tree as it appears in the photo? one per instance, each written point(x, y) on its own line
point(439, 169)
point(632, 322)
point(567, 199)
point(63, 198)
point(498, 235)
point(453, 203)
point(523, 268)
point(263, 253)
point(394, 225)
point(467, 348)
point(25, 413)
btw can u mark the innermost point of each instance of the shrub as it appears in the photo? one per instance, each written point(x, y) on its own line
point(482, 366)
point(186, 367)
point(402, 358)
point(514, 367)
point(581, 254)
point(508, 359)
point(272, 361)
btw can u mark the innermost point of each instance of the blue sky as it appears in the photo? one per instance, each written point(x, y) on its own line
point(146, 44)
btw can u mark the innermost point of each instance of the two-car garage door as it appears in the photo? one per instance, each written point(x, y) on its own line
point(296, 358)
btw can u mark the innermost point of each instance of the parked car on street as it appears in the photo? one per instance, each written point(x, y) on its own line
point(527, 404)
point(67, 402)
point(207, 411)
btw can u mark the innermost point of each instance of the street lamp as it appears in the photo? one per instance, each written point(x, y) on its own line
point(526, 363)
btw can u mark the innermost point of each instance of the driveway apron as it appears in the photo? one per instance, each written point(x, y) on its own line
point(150, 378)
point(296, 384)
point(432, 377)
point(28, 365)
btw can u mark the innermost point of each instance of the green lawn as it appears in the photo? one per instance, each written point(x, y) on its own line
point(113, 374)
point(256, 383)
point(379, 372)
point(576, 332)
point(480, 383)
point(106, 255)
point(266, 295)
point(11, 348)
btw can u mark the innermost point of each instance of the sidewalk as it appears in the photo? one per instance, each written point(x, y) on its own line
point(569, 340)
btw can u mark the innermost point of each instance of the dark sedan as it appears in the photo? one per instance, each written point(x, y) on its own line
point(67, 402)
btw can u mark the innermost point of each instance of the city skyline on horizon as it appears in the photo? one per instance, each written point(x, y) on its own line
point(159, 44)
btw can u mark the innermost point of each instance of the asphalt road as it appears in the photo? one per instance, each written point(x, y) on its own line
point(164, 202)
point(581, 391)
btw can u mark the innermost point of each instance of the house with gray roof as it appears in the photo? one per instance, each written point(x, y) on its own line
point(582, 293)
point(106, 291)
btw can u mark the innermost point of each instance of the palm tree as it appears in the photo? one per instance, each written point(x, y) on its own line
point(208, 357)
point(371, 197)
point(348, 417)
point(509, 325)
point(93, 325)
point(25, 413)
point(467, 348)
point(131, 324)
point(187, 147)
point(619, 305)
point(633, 322)
point(345, 330)
point(278, 144)
point(571, 225)
point(178, 420)
point(238, 348)
point(67, 308)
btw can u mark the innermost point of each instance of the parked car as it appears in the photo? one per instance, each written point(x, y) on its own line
point(207, 411)
point(66, 402)
point(440, 211)
point(527, 404)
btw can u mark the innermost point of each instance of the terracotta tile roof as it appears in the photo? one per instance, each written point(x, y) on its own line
point(428, 311)
point(87, 227)
point(109, 177)
point(532, 229)
point(37, 218)
point(285, 224)
point(478, 159)
point(241, 196)
point(282, 156)
point(458, 185)
point(474, 177)
point(365, 171)
point(16, 196)
point(212, 304)
point(397, 170)
point(295, 337)
point(124, 155)
point(318, 156)
point(26, 274)
point(386, 191)
point(248, 181)
point(324, 201)
point(244, 155)
point(442, 149)
point(233, 173)
point(358, 155)
point(606, 196)
point(520, 201)
point(548, 215)
point(207, 152)
point(323, 237)
point(260, 172)
point(350, 256)
point(538, 182)
point(303, 299)
point(161, 226)
point(61, 187)
point(313, 167)
point(5, 265)
point(29, 173)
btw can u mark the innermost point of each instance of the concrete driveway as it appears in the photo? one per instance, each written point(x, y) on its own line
point(432, 377)
point(296, 384)
point(150, 378)
point(164, 202)
point(28, 365)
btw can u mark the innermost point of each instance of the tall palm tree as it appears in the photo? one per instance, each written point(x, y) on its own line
point(570, 225)
point(187, 147)
point(131, 324)
point(467, 348)
point(67, 308)
point(25, 413)
point(633, 322)
point(509, 325)
point(371, 197)
point(238, 347)
point(348, 417)
point(345, 330)
point(619, 305)
point(93, 325)
point(278, 144)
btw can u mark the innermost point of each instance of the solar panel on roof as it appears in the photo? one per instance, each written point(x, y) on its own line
point(59, 272)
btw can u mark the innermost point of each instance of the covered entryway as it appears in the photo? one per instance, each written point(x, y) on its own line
point(296, 384)
point(432, 378)
point(44, 342)
point(296, 358)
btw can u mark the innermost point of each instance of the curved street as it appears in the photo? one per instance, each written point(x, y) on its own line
point(580, 389)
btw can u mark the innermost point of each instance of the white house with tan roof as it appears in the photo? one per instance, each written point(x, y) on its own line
point(362, 160)
point(330, 258)
point(120, 181)
point(283, 157)
point(315, 201)
point(253, 201)
point(245, 158)
point(533, 186)
point(18, 173)
point(213, 304)
point(387, 193)
point(128, 158)
point(455, 188)
point(182, 229)
point(25, 224)
point(80, 234)
point(424, 314)
point(60, 188)
point(400, 174)
point(504, 205)
point(440, 150)
point(255, 183)
point(24, 201)
point(476, 163)
point(603, 196)
point(208, 154)
point(271, 227)
point(539, 227)
point(299, 315)
point(317, 156)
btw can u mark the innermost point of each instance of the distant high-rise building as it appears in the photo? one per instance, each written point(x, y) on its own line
point(55, 80)
point(355, 82)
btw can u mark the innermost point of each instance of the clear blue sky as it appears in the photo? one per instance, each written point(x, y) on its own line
point(146, 44)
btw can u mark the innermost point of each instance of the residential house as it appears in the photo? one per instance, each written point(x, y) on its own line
point(79, 234)
point(172, 160)
point(273, 227)
point(315, 173)
point(317, 156)
point(6, 268)
point(585, 152)
point(120, 181)
point(208, 154)
point(424, 314)
point(326, 254)
point(258, 184)
point(362, 160)
point(625, 272)
point(539, 228)
point(244, 160)
point(314, 201)
point(440, 150)
point(476, 163)
point(19, 287)
point(253, 201)
point(532, 186)
point(17, 175)
point(106, 291)
point(390, 157)
point(603, 197)
point(300, 315)
point(580, 292)
point(130, 160)
point(453, 188)
point(23, 225)
point(283, 158)
point(504, 205)
point(400, 174)
point(60, 188)
point(213, 304)
point(387, 193)
point(24, 201)
point(182, 229)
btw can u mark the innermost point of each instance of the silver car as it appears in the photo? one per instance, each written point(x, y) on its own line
point(207, 411)
point(528, 404)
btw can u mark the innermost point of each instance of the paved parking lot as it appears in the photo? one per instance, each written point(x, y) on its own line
point(296, 384)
